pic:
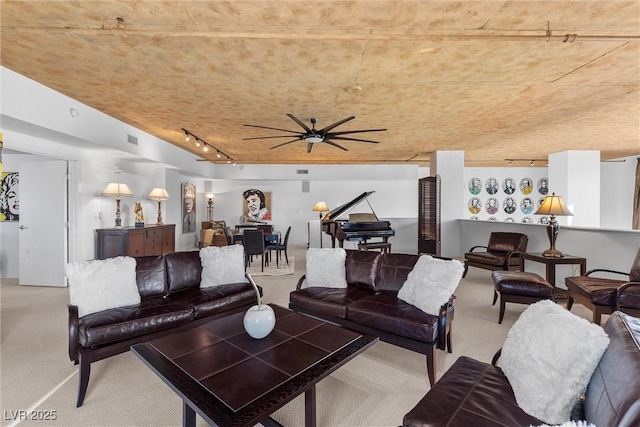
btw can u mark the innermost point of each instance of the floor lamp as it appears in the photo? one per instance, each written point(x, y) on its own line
point(117, 189)
point(159, 194)
point(320, 207)
point(554, 206)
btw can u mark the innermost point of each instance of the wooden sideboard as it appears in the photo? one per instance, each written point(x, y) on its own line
point(135, 241)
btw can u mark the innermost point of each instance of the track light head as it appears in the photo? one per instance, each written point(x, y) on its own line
point(218, 155)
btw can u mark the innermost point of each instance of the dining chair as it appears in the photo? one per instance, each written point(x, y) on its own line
point(280, 246)
point(253, 242)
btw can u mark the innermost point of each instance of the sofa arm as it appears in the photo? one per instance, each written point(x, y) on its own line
point(442, 324)
point(604, 270)
point(621, 289)
point(302, 279)
point(496, 356)
point(74, 331)
point(478, 247)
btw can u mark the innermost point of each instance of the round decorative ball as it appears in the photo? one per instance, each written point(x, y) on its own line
point(259, 321)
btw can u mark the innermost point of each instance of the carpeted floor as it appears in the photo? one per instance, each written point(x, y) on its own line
point(271, 269)
point(375, 389)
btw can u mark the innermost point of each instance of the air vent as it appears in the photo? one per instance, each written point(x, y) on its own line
point(132, 139)
point(302, 171)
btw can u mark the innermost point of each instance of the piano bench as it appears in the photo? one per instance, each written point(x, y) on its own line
point(385, 247)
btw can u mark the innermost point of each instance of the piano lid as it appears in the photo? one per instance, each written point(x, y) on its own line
point(336, 213)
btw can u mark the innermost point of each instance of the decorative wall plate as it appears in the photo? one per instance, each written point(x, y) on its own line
point(491, 186)
point(540, 202)
point(526, 206)
point(509, 185)
point(492, 205)
point(475, 218)
point(509, 205)
point(492, 218)
point(475, 186)
point(526, 185)
point(526, 220)
point(543, 186)
point(543, 220)
point(474, 205)
point(508, 219)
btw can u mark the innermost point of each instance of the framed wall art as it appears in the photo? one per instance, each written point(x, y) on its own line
point(188, 207)
point(9, 197)
point(257, 205)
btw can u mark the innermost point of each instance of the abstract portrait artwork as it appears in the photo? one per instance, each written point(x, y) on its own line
point(9, 197)
point(257, 205)
point(188, 207)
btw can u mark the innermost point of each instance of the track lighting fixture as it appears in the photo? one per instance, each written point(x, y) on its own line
point(206, 146)
point(531, 161)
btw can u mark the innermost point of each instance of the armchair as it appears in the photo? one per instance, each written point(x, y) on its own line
point(602, 295)
point(503, 252)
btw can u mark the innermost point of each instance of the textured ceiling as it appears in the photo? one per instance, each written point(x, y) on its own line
point(497, 79)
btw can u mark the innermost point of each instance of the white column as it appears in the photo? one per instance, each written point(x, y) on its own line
point(450, 166)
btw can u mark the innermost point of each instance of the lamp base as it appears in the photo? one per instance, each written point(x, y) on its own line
point(552, 253)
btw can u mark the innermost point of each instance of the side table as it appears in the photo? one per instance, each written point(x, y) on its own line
point(550, 264)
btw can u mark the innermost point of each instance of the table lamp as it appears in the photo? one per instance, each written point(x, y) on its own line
point(159, 194)
point(554, 206)
point(117, 189)
point(320, 207)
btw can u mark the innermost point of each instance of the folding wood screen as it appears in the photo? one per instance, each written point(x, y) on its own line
point(429, 215)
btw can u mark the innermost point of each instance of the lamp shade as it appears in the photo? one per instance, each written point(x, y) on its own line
point(117, 189)
point(321, 206)
point(158, 194)
point(553, 205)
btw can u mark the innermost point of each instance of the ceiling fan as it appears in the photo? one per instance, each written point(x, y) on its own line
point(315, 136)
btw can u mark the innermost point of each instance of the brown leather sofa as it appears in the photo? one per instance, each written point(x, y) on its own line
point(603, 295)
point(171, 301)
point(370, 304)
point(473, 393)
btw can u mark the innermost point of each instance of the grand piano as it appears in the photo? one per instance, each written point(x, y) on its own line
point(359, 227)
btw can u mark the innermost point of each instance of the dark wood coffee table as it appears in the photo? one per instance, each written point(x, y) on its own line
point(231, 379)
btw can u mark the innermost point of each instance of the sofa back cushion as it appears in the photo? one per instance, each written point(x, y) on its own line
point(634, 274)
point(184, 270)
point(151, 276)
point(507, 242)
point(393, 270)
point(613, 395)
point(362, 267)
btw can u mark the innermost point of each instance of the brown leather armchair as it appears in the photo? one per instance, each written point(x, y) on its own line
point(503, 252)
point(602, 295)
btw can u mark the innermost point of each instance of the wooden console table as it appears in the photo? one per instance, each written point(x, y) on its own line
point(550, 264)
point(135, 241)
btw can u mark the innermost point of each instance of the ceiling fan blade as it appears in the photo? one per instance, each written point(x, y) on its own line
point(345, 138)
point(336, 145)
point(267, 127)
point(285, 143)
point(309, 146)
point(268, 137)
point(295, 119)
point(354, 131)
point(336, 124)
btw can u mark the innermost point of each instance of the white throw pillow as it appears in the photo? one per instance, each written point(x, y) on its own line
point(102, 284)
point(431, 283)
point(548, 357)
point(222, 265)
point(326, 267)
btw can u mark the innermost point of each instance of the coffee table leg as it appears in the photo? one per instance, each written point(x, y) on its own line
point(310, 407)
point(188, 415)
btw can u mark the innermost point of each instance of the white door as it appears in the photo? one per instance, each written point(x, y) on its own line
point(43, 230)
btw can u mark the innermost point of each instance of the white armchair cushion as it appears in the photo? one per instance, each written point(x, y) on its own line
point(548, 357)
point(222, 265)
point(431, 283)
point(102, 284)
point(326, 267)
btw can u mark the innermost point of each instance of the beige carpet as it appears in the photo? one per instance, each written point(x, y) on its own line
point(281, 269)
point(375, 389)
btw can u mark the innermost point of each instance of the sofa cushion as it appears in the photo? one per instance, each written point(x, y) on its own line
point(521, 283)
point(118, 324)
point(328, 301)
point(630, 297)
point(216, 299)
point(386, 312)
point(598, 290)
point(184, 270)
point(470, 393)
point(222, 265)
point(362, 267)
point(102, 284)
point(326, 267)
point(393, 270)
point(431, 283)
point(548, 357)
point(496, 259)
point(151, 276)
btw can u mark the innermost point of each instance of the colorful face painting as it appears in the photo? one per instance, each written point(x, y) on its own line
point(526, 206)
point(474, 205)
point(509, 186)
point(475, 186)
point(526, 186)
point(491, 186)
point(492, 205)
point(543, 186)
point(509, 205)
